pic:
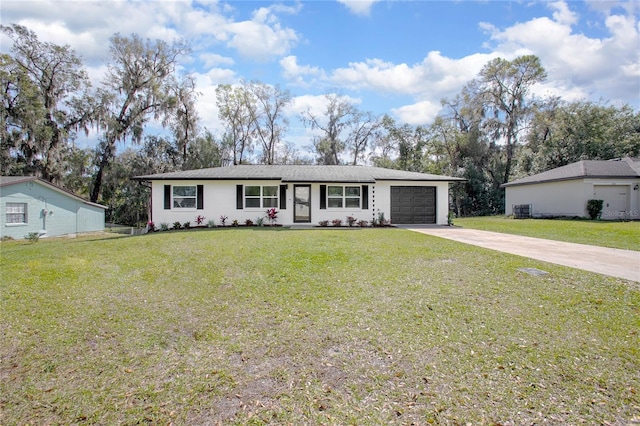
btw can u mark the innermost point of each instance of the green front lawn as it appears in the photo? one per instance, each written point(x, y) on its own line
point(622, 235)
point(367, 327)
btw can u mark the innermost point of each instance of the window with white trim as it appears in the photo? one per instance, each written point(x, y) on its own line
point(343, 197)
point(184, 197)
point(17, 213)
point(260, 196)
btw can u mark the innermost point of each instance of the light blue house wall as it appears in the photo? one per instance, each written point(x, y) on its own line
point(45, 208)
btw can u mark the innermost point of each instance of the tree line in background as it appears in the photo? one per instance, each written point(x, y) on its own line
point(492, 132)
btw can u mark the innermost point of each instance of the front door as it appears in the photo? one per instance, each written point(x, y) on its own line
point(302, 203)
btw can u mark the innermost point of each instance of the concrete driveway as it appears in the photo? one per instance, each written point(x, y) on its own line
point(607, 261)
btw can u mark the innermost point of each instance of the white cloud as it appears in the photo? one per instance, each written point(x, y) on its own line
point(435, 75)
point(88, 25)
point(261, 38)
point(210, 60)
point(359, 7)
point(420, 113)
point(598, 67)
point(296, 74)
point(563, 14)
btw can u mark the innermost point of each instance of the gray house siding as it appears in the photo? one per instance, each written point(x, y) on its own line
point(48, 210)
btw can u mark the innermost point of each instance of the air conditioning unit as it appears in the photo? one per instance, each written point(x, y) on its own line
point(522, 211)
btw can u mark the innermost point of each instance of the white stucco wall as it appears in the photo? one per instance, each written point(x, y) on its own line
point(219, 198)
point(569, 198)
point(383, 197)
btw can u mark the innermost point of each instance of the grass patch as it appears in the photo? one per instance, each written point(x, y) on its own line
point(381, 326)
point(622, 235)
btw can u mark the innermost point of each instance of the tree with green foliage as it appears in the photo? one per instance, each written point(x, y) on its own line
point(184, 119)
point(204, 152)
point(502, 94)
point(565, 132)
point(336, 119)
point(402, 147)
point(44, 102)
point(139, 87)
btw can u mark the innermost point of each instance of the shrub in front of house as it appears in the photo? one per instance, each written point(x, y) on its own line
point(323, 223)
point(177, 225)
point(351, 221)
point(164, 226)
point(363, 223)
point(594, 208)
point(336, 222)
point(33, 237)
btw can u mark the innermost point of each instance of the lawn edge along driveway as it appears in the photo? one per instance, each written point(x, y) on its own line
point(617, 263)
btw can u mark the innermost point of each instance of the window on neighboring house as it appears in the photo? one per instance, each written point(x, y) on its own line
point(184, 197)
point(260, 196)
point(16, 212)
point(343, 197)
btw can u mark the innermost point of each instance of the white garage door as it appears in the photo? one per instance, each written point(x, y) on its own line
point(615, 199)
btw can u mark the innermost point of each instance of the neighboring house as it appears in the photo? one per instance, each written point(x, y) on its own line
point(564, 191)
point(303, 194)
point(29, 204)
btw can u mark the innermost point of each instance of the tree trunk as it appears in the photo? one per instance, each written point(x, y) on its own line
point(97, 183)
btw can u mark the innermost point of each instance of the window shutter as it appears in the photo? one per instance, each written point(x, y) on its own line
point(365, 197)
point(200, 198)
point(283, 197)
point(323, 197)
point(167, 197)
point(239, 195)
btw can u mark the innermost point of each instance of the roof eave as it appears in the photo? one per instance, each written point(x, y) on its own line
point(516, 183)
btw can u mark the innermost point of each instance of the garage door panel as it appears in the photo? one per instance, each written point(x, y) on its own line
point(413, 204)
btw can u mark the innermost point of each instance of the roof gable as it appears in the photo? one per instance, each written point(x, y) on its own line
point(625, 168)
point(299, 173)
point(14, 180)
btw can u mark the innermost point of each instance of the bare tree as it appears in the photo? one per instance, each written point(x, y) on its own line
point(364, 128)
point(237, 110)
point(270, 123)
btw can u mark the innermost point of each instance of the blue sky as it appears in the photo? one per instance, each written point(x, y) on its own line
point(390, 57)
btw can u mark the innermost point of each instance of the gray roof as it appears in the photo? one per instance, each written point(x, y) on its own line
point(12, 180)
point(624, 168)
point(299, 173)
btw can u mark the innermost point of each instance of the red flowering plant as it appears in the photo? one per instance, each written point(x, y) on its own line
point(272, 215)
point(199, 219)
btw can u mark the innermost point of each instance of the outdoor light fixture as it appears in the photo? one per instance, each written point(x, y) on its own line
point(635, 188)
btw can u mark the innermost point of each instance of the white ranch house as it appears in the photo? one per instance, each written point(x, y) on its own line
point(303, 194)
point(564, 191)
